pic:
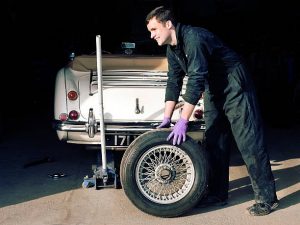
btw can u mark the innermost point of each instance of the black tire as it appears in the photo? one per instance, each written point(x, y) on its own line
point(161, 179)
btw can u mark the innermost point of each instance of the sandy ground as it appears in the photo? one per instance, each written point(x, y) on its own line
point(28, 196)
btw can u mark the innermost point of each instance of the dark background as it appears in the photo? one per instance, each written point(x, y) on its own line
point(37, 38)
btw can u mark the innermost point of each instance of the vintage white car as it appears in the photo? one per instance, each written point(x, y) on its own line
point(159, 178)
point(133, 98)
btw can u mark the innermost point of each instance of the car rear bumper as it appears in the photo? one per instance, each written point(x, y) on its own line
point(118, 135)
point(75, 126)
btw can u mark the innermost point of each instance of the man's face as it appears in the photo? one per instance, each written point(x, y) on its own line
point(160, 32)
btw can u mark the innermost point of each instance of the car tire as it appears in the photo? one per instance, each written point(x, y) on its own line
point(162, 179)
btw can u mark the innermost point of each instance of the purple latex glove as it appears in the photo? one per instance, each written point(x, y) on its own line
point(179, 132)
point(165, 123)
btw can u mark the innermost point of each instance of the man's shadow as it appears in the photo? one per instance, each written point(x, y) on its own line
point(240, 190)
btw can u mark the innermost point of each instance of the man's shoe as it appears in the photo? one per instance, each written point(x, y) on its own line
point(262, 209)
point(211, 200)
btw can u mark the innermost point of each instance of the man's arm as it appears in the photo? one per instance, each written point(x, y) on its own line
point(187, 111)
point(185, 114)
point(169, 109)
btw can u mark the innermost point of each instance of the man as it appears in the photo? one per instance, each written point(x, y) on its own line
point(229, 100)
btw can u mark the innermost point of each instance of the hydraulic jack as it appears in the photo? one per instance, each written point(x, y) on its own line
point(104, 176)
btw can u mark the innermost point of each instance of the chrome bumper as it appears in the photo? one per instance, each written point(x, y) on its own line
point(75, 126)
point(78, 133)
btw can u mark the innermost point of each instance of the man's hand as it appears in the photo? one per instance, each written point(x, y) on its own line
point(165, 123)
point(179, 132)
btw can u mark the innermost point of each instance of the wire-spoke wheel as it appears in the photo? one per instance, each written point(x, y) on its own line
point(162, 179)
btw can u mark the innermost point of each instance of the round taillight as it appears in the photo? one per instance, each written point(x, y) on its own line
point(73, 115)
point(63, 117)
point(72, 95)
point(198, 114)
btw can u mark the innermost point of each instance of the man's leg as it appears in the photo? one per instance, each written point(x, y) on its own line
point(217, 143)
point(242, 110)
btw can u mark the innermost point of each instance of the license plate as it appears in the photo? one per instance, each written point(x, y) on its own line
point(119, 140)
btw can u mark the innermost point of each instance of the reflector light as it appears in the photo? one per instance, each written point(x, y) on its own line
point(73, 115)
point(198, 114)
point(63, 117)
point(72, 95)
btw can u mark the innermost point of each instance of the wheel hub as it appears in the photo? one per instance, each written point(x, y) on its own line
point(164, 173)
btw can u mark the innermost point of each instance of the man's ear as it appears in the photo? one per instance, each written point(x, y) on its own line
point(169, 24)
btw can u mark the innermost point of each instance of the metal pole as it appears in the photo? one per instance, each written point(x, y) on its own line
point(100, 92)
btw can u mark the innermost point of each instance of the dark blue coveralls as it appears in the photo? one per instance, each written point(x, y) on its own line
point(230, 104)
